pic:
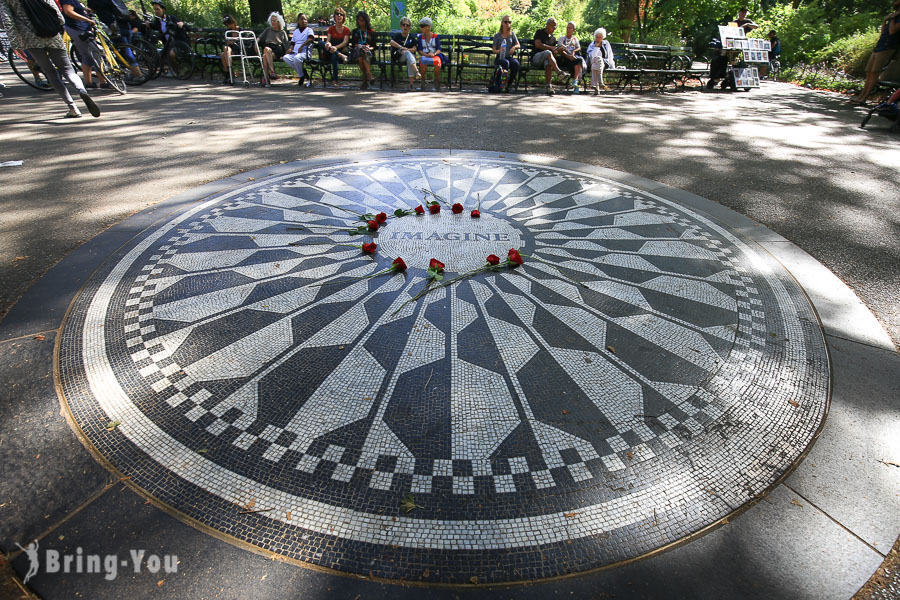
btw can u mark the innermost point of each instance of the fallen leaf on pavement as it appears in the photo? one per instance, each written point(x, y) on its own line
point(474, 579)
point(793, 403)
point(408, 504)
point(611, 349)
point(796, 503)
point(160, 582)
point(40, 337)
point(112, 425)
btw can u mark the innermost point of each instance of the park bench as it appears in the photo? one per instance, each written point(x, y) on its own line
point(473, 53)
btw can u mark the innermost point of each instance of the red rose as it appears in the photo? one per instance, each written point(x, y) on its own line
point(434, 208)
point(381, 218)
point(457, 208)
point(369, 248)
point(514, 257)
point(398, 264)
point(420, 210)
point(476, 214)
point(493, 259)
point(373, 225)
point(436, 264)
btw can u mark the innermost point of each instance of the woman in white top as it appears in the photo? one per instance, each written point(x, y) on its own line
point(301, 49)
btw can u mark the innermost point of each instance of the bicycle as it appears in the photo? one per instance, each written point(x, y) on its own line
point(22, 65)
point(176, 55)
point(109, 60)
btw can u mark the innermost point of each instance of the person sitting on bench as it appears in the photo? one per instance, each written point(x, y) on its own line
point(545, 52)
point(600, 54)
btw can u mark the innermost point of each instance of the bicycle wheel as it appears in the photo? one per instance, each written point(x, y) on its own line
point(19, 65)
point(112, 73)
point(152, 53)
point(75, 58)
point(144, 64)
point(181, 57)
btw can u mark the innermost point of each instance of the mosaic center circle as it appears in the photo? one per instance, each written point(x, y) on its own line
point(457, 240)
point(645, 373)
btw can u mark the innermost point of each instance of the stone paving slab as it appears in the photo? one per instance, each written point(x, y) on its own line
point(47, 473)
point(860, 438)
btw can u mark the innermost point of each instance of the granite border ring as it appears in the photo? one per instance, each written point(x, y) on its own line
point(649, 373)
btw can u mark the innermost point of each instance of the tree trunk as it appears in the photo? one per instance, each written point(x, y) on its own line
point(627, 15)
point(261, 9)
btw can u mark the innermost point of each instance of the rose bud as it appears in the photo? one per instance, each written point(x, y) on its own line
point(420, 210)
point(434, 208)
point(436, 264)
point(514, 257)
point(398, 264)
point(457, 208)
point(381, 218)
point(493, 259)
point(476, 214)
point(369, 248)
point(373, 225)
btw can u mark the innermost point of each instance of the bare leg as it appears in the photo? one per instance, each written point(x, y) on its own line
point(871, 83)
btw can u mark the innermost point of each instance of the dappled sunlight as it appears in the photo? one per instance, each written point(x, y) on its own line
point(780, 154)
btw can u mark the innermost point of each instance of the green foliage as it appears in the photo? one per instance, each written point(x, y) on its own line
point(850, 54)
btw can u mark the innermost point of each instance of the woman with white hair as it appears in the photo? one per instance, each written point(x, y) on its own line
point(274, 43)
point(601, 57)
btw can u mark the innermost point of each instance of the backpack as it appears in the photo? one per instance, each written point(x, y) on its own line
point(122, 10)
point(498, 80)
point(44, 19)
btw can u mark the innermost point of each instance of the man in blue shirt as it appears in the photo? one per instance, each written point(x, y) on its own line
point(885, 48)
point(78, 26)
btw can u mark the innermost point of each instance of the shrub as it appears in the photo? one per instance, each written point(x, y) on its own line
point(850, 54)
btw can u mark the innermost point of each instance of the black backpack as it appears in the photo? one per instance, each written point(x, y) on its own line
point(496, 84)
point(44, 19)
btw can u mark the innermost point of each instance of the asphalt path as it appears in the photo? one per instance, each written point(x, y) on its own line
point(789, 158)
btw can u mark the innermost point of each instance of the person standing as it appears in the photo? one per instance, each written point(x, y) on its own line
point(48, 53)
point(885, 48)
point(114, 14)
point(78, 26)
point(505, 46)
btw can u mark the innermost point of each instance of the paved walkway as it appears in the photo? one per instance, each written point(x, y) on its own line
point(804, 540)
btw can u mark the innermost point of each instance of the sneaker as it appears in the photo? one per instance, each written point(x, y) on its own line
point(550, 91)
point(273, 76)
point(92, 85)
point(91, 105)
point(575, 89)
point(300, 82)
point(596, 91)
point(105, 86)
point(307, 83)
point(73, 113)
point(226, 80)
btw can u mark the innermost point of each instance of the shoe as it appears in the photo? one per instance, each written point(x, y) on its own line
point(226, 80)
point(73, 113)
point(105, 86)
point(550, 91)
point(595, 91)
point(300, 82)
point(91, 105)
point(273, 76)
point(575, 89)
point(307, 83)
point(437, 87)
point(364, 86)
point(92, 85)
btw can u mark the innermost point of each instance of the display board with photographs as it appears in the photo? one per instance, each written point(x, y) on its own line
point(746, 78)
point(759, 56)
point(731, 33)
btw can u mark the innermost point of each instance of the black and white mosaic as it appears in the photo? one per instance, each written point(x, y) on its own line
point(232, 363)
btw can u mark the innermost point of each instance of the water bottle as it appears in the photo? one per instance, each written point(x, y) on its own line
point(503, 48)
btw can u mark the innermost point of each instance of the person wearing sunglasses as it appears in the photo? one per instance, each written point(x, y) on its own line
point(334, 48)
point(429, 45)
point(403, 48)
point(505, 46)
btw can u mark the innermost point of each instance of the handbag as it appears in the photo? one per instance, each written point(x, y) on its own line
point(43, 17)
